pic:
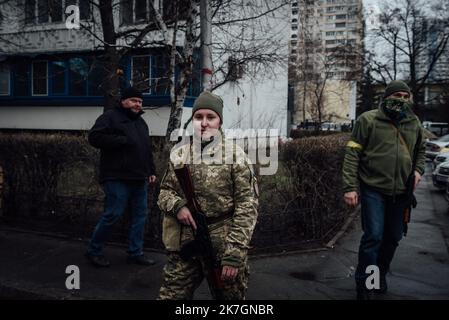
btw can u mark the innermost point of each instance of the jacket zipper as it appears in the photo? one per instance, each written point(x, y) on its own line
point(396, 164)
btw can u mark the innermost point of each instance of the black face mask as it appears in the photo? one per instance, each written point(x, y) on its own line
point(396, 109)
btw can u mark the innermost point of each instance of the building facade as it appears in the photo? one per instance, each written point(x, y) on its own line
point(52, 75)
point(325, 66)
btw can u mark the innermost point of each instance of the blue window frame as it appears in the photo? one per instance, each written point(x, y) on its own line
point(78, 80)
point(58, 78)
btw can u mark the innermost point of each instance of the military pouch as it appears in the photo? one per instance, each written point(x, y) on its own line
point(171, 233)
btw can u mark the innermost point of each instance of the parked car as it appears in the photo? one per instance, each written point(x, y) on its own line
point(440, 175)
point(438, 128)
point(330, 126)
point(434, 147)
point(443, 156)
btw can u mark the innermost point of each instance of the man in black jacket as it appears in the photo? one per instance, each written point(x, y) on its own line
point(126, 169)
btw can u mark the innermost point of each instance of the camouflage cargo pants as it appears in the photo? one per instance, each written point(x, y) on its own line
point(182, 278)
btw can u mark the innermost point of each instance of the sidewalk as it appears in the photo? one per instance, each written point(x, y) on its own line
point(32, 266)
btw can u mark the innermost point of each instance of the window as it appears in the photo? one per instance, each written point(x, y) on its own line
point(135, 11)
point(78, 72)
point(42, 11)
point(39, 78)
point(126, 12)
point(142, 11)
point(30, 11)
point(340, 16)
point(169, 7)
point(96, 77)
point(160, 81)
point(85, 11)
point(140, 76)
point(53, 11)
point(84, 6)
point(22, 79)
point(340, 25)
point(4, 79)
point(58, 77)
point(294, 27)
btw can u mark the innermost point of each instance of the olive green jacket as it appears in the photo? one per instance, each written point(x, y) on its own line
point(377, 155)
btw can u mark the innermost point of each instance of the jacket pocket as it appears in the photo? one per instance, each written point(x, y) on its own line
point(171, 233)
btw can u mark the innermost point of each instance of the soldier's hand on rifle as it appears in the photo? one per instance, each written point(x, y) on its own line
point(351, 198)
point(228, 273)
point(417, 179)
point(185, 217)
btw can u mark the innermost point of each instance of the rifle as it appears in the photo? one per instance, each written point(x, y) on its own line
point(410, 185)
point(202, 244)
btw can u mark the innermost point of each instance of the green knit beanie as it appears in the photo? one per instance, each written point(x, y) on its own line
point(395, 86)
point(207, 100)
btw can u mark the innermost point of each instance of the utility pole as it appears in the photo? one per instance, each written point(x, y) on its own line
point(206, 42)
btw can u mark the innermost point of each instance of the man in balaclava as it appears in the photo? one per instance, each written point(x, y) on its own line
point(384, 159)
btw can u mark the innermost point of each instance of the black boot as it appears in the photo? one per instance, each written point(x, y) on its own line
point(97, 261)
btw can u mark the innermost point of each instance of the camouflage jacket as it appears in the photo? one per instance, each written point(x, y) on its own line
point(221, 190)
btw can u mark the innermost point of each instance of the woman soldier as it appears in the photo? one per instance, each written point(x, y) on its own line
point(226, 193)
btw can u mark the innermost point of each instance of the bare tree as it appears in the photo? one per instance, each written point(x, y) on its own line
point(244, 41)
point(413, 35)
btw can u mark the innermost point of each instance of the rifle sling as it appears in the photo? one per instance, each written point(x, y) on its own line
point(401, 138)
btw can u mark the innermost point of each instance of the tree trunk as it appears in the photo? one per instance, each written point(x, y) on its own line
point(186, 74)
point(206, 41)
point(112, 56)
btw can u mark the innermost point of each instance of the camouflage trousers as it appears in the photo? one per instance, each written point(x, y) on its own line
point(182, 278)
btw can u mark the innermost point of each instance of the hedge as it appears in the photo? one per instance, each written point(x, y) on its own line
point(51, 185)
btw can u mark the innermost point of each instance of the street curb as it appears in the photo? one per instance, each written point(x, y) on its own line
point(69, 238)
point(8, 292)
point(349, 220)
